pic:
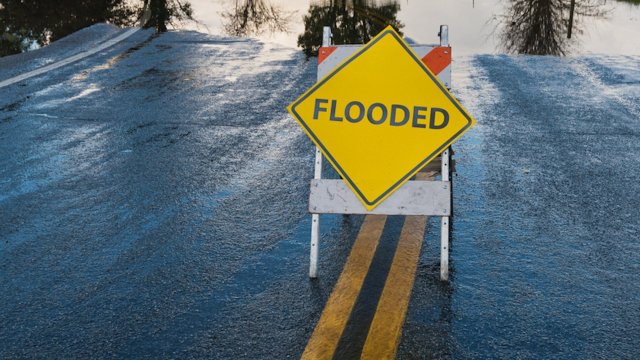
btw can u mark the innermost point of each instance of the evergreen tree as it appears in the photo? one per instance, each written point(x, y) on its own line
point(167, 12)
point(351, 22)
point(541, 27)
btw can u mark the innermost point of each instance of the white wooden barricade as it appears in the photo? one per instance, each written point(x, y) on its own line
point(430, 198)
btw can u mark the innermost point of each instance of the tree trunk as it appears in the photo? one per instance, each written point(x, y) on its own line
point(159, 14)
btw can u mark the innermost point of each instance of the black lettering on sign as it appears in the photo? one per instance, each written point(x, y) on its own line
point(377, 113)
point(317, 109)
point(333, 117)
point(383, 115)
point(394, 112)
point(432, 119)
point(418, 116)
point(347, 111)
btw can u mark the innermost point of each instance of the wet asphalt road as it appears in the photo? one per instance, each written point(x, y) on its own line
point(153, 205)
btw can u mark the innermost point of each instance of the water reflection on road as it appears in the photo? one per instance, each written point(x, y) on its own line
point(162, 212)
point(543, 27)
point(492, 26)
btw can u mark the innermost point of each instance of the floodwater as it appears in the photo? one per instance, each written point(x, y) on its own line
point(476, 26)
point(153, 205)
point(546, 231)
point(156, 208)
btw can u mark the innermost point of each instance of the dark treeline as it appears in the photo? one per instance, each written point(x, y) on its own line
point(25, 22)
point(351, 22)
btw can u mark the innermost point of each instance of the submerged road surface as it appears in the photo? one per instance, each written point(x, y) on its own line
point(153, 205)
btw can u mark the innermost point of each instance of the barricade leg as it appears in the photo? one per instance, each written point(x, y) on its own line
point(444, 249)
point(315, 223)
point(315, 237)
point(444, 227)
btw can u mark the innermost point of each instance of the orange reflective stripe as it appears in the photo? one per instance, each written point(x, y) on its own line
point(438, 59)
point(324, 52)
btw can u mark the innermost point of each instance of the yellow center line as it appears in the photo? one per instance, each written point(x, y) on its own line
point(386, 327)
point(325, 338)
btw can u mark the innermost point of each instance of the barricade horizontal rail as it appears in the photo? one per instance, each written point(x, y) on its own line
point(431, 198)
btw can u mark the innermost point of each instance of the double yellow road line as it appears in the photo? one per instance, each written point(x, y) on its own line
point(383, 334)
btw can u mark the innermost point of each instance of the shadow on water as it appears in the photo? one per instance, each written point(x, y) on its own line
point(544, 27)
point(28, 24)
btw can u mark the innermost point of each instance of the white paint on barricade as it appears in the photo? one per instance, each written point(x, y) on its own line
point(315, 223)
point(444, 226)
point(431, 198)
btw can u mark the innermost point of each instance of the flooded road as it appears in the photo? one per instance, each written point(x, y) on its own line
point(136, 187)
point(546, 237)
point(153, 205)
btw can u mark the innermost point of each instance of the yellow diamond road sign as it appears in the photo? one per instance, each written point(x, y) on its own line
point(380, 116)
